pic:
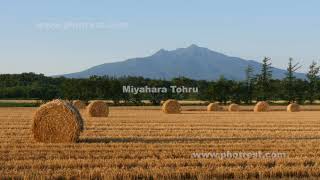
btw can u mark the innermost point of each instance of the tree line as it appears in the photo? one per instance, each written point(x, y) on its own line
point(255, 87)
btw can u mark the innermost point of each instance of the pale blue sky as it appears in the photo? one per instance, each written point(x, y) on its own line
point(249, 29)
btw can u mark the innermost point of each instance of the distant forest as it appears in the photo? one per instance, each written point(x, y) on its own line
point(256, 87)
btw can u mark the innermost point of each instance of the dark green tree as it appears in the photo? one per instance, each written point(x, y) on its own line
point(290, 81)
point(263, 81)
point(313, 79)
point(249, 84)
point(222, 89)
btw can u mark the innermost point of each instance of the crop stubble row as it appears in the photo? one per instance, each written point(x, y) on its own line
point(132, 143)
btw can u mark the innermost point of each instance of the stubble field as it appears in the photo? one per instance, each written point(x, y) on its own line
point(145, 143)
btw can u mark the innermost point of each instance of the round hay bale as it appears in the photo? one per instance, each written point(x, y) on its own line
point(171, 106)
point(233, 107)
point(98, 109)
point(293, 107)
point(261, 106)
point(79, 104)
point(57, 122)
point(214, 107)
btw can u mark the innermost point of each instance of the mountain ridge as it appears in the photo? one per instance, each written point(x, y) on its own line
point(193, 62)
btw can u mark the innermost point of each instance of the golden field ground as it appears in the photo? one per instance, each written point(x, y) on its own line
point(142, 142)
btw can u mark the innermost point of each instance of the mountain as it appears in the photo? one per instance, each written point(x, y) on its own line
point(193, 62)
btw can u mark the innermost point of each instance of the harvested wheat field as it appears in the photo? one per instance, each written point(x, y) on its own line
point(133, 143)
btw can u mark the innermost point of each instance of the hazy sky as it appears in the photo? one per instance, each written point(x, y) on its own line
point(63, 36)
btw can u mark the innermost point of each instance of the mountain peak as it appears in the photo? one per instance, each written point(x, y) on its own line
point(160, 52)
point(193, 46)
point(194, 50)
